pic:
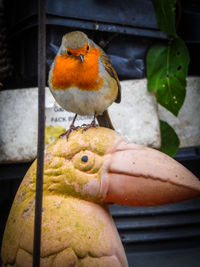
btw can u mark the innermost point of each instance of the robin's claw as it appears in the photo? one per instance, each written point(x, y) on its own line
point(71, 129)
point(88, 126)
point(92, 124)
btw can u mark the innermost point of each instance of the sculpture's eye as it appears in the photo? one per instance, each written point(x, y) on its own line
point(84, 160)
point(88, 48)
point(69, 53)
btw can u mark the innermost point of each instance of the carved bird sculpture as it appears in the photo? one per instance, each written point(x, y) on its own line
point(81, 176)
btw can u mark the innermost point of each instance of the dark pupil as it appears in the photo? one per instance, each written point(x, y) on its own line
point(69, 53)
point(88, 47)
point(84, 158)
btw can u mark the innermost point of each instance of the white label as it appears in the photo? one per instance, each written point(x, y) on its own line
point(57, 115)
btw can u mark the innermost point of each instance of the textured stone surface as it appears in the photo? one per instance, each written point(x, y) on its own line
point(18, 120)
point(187, 124)
point(135, 118)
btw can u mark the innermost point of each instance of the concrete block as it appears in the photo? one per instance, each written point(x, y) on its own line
point(135, 118)
point(18, 120)
point(187, 124)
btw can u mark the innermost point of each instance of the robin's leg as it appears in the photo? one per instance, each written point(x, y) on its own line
point(92, 124)
point(71, 128)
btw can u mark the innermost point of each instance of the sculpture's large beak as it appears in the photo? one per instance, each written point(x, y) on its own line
point(141, 176)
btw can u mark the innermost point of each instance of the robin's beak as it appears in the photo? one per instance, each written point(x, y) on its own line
point(81, 57)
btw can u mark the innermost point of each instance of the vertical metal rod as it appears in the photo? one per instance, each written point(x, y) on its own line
point(41, 130)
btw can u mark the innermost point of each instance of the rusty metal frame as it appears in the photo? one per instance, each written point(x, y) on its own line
point(41, 130)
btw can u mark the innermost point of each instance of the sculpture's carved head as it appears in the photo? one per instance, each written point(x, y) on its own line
point(101, 166)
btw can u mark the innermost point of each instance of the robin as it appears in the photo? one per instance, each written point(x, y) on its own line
point(82, 79)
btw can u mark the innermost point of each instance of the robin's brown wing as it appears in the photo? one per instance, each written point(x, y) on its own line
point(109, 68)
point(104, 119)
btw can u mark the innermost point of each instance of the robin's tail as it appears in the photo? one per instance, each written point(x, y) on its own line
point(104, 120)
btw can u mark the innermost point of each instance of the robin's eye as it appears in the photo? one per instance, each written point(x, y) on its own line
point(69, 53)
point(88, 48)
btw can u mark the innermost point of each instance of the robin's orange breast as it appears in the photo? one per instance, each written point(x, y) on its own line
point(70, 72)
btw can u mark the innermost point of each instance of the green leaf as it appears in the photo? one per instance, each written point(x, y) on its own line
point(167, 67)
point(165, 13)
point(169, 140)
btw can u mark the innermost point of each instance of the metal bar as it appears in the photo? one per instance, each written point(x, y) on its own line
point(41, 127)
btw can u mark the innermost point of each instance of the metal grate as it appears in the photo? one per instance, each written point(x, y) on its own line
point(159, 225)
